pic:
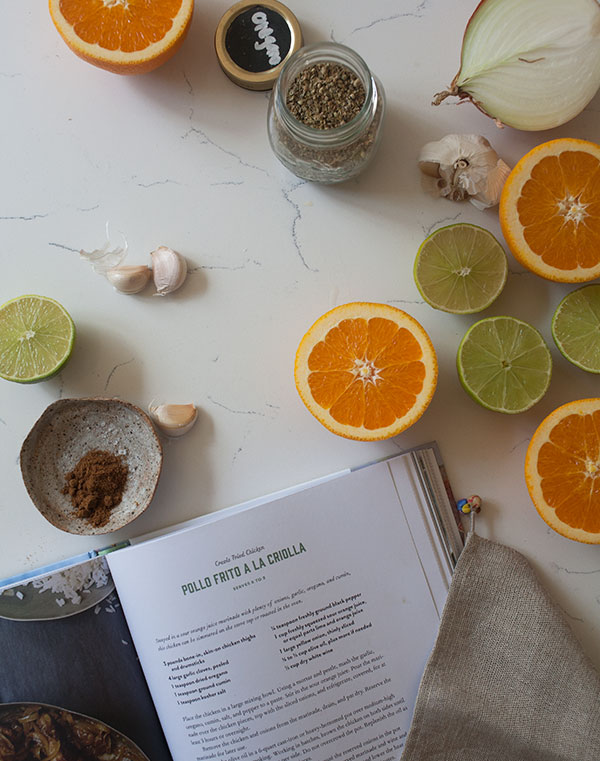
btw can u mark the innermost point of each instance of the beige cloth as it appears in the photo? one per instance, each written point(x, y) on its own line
point(507, 680)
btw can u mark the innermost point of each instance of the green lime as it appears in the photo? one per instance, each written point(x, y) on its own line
point(36, 338)
point(576, 327)
point(460, 269)
point(504, 364)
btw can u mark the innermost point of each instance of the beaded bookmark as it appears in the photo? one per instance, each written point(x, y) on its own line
point(470, 506)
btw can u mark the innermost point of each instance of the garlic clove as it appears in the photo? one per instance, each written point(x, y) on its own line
point(430, 168)
point(490, 195)
point(173, 419)
point(130, 278)
point(169, 270)
point(461, 167)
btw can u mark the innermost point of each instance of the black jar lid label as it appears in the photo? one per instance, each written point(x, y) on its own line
point(253, 40)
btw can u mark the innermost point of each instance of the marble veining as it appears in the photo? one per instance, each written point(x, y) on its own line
point(114, 370)
point(418, 12)
point(204, 139)
point(23, 218)
point(181, 157)
point(427, 230)
point(286, 193)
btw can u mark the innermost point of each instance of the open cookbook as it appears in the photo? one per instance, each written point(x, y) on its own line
point(297, 626)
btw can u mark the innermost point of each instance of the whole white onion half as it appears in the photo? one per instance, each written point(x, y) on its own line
point(530, 64)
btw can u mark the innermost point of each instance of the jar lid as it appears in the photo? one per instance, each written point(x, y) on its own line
point(253, 41)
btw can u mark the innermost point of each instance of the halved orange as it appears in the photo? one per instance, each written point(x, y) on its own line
point(366, 371)
point(550, 210)
point(562, 470)
point(123, 36)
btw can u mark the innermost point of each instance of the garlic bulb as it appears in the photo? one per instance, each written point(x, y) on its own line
point(173, 419)
point(130, 278)
point(531, 65)
point(169, 270)
point(462, 167)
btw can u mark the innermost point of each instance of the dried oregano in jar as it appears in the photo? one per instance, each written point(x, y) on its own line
point(325, 95)
point(325, 113)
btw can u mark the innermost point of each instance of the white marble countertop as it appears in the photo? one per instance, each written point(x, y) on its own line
point(180, 157)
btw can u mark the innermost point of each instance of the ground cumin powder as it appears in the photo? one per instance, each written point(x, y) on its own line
point(95, 485)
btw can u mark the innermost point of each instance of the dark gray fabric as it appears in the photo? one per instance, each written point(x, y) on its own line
point(507, 679)
point(84, 663)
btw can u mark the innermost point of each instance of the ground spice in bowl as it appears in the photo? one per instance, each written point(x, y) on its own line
point(60, 448)
point(96, 485)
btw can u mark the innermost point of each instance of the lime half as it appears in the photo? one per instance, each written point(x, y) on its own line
point(36, 338)
point(460, 269)
point(576, 327)
point(504, 364)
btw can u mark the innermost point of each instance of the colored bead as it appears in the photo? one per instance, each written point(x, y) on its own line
point(474, 502)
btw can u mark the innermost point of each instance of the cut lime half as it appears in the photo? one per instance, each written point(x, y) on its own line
point(576, 327)
point(36, 338)
point(460, 269)
point(504, 364)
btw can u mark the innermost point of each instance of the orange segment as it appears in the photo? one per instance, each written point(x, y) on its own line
point(562, 470)
point(123, 36)
point(366, 371)
point(550, 210)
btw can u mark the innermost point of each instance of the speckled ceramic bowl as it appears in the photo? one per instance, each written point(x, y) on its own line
point(67, 430)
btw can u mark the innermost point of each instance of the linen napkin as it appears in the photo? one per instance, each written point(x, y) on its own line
point(507, 680)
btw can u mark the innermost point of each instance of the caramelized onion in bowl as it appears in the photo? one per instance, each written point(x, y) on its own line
point(38, 732)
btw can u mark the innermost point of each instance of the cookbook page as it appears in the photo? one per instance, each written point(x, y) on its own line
point(297, 629)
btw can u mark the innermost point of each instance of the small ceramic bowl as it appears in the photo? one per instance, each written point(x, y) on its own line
point(67, 430)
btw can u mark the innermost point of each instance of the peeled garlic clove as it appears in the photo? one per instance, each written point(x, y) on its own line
point(169, 270)
point(129, 278)
point(174, 419)
point(461, 167)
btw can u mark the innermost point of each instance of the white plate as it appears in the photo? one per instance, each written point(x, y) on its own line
point(29, 602)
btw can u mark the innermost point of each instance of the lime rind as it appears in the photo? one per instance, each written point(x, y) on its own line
point(460, 268)
point(504, 364)
point(37, 336)
point(576, 328)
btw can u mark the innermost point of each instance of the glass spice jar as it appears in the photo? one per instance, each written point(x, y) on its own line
point(331, 154)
